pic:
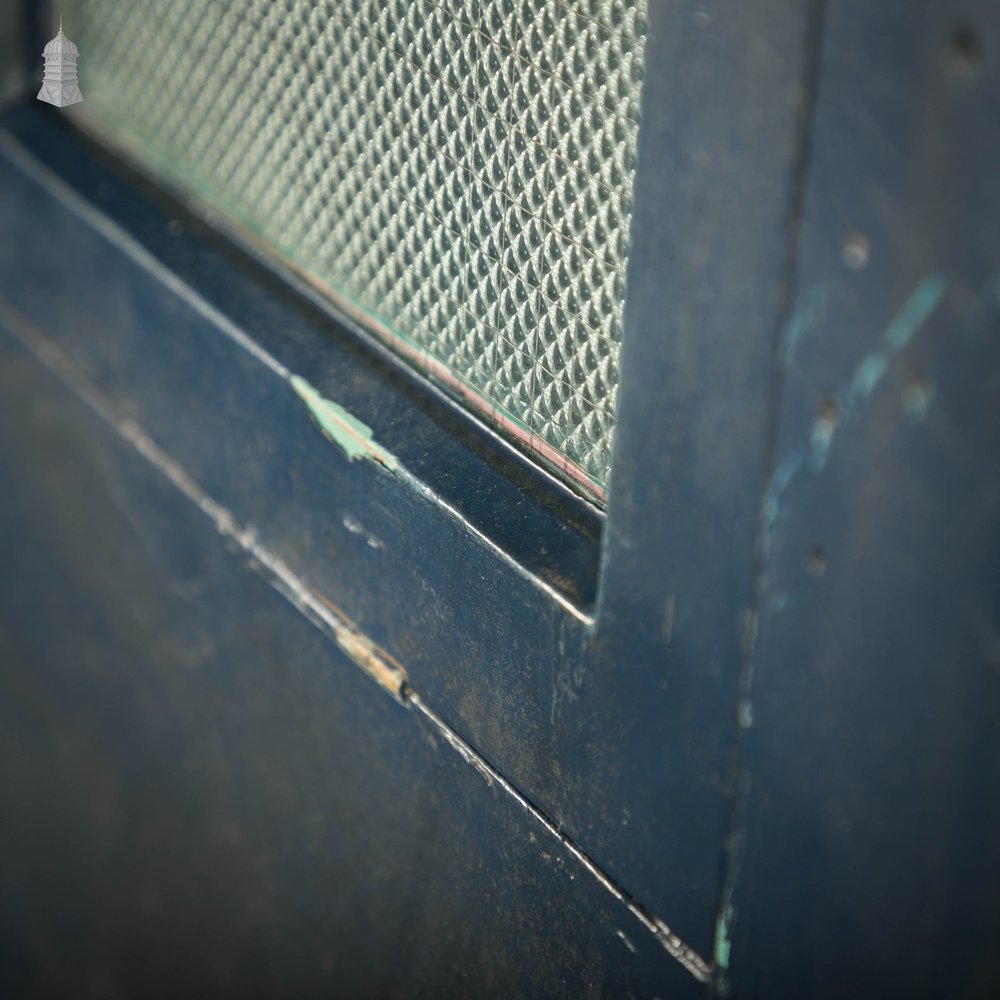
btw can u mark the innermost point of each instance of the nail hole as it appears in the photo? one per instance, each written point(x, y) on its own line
point(829, 410)
point(964, 52)
point(815, 561)
point(855, 252)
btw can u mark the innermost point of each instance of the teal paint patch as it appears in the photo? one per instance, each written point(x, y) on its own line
point(870, 372)
point(722, 943)
point(924, 299)
point(917, 309)
point(820, 442)
point(771, 507)
point(804, 319)
point(349, 434)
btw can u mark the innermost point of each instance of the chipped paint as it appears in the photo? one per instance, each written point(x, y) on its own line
point(868, 374)
point(819, 442)
point(917, 309)
point(375, 662)
point(722, 943)
point(353, 437)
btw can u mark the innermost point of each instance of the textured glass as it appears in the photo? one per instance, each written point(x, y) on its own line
point(460, 172)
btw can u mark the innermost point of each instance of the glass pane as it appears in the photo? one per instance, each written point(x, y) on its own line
point(461, 173)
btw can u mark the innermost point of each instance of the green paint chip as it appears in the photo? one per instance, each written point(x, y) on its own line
point(722, 942)
point(870, 372)
point(353, 437)
point(916, 311)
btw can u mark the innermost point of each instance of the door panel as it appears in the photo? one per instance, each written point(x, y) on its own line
point(204, 795)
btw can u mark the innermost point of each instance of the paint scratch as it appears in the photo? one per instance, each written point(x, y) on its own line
point(917, 309)
point(356, 528)
point(625, 941)
point(353, 437)
point(783, 475)
point(803, 320)
point(684, 953)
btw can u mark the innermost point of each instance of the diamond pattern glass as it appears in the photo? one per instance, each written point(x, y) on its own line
point(460, 172)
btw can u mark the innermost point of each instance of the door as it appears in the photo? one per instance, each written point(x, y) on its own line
point(318, 681)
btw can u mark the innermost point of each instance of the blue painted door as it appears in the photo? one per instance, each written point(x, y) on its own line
point(427, 723)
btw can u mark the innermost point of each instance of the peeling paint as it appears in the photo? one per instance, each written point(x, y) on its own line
point(353, 437)
point(722, 943)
